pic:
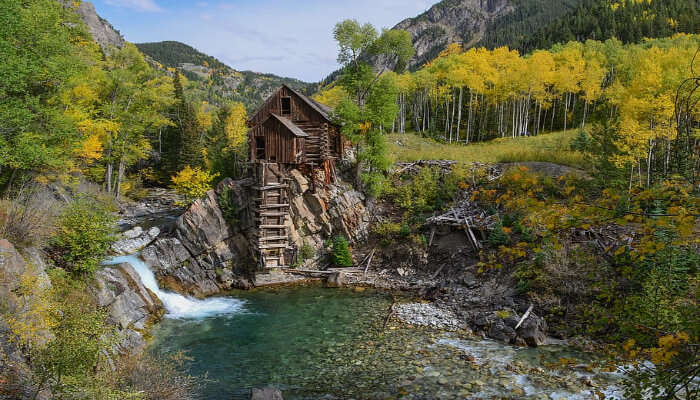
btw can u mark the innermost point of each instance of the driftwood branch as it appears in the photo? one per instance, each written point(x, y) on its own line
point(369, 261)
point(527, 314)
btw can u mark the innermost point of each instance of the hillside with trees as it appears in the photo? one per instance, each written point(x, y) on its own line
point(214, 81)
point(527, 25)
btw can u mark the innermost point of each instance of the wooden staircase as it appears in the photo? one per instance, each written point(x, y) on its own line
point(272, 209)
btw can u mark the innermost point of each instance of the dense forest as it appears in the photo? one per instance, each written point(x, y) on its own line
point(629, 21)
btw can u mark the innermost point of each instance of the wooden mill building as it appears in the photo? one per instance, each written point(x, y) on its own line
point(289, 131)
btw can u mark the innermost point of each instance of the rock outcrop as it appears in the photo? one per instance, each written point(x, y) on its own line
point(206, 253)
point(101, 30)
point(318, 215)
point(16, 378)
point(452, 22)
point(131, 307)
point(134, 240)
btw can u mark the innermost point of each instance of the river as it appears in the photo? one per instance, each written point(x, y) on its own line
point(316, 343)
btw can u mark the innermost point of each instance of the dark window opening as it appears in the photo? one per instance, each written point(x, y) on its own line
point(286, 105)
point(260, 148)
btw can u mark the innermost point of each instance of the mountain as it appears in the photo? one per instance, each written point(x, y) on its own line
point(527, 25)
point(210, 79)
point(214, 80)
point(101, 30)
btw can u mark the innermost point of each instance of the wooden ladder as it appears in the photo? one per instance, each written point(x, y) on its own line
point(272, 209)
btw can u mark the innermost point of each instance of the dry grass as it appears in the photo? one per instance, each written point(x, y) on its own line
point(549, 147)
point(28, 220)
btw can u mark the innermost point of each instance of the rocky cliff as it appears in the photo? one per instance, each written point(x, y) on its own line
point(101, 30)
point(210, 250)
point(482, 23)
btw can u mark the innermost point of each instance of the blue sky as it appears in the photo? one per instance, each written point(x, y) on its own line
point(289, 38)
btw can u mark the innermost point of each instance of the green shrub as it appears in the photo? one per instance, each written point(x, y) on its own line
point(306, 252)
point(229, 207)
point(497, 237)
point(85, 233)
point(341, 252)
point(582, 142)
point(387, 230)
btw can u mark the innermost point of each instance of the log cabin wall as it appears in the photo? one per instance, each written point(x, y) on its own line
point(324, 140)
point(281, 146)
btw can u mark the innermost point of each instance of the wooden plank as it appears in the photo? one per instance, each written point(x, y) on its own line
point(272, 214)
point(274, 246)
point(272, 226)
point(272, 238)
point(268, 206)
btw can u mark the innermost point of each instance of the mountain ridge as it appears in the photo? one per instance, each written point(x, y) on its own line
point(216, 79)
point(527, 25)
point(249, 87)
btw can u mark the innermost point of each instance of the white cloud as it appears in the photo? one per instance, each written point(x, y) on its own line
point(140, 5)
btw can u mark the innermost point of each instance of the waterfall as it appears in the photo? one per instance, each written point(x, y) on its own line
point(177, 305)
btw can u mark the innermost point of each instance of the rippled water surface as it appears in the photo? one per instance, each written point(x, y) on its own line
point(317, 343)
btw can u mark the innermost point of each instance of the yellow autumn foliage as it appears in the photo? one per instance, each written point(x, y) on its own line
point(192, 183)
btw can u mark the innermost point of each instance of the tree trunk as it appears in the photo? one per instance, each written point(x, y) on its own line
point(566, 111)
point(120, 175)
point(459, 116)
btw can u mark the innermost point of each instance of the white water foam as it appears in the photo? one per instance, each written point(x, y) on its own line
point(177, 305)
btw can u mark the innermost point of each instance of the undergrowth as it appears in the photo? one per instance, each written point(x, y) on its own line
point(552, 147)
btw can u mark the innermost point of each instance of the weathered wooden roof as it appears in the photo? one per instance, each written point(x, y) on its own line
point(293, 128)
point(322, 109)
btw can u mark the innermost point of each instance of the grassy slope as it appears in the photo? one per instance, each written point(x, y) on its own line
point(550, 147)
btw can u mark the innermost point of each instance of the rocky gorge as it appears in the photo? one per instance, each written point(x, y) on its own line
point(204, 250)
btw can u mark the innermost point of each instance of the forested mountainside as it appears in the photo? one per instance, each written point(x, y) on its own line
point(527, 25)
point(213, 80)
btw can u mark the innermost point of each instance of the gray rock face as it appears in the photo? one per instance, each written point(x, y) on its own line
point(336, 280)
point(131, 307)
point(334, 210)
point(199, 258)
point(135, 240)
point(101, 30)
point(446, 23)
point(203, 227)
point(500, 331)
point(13, 364)
point(12, 267)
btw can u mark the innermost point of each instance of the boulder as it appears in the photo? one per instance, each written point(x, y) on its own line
point(266, 394)
point(533, 331)
point(299, 182)
point(135, 240)
point(336, 280)
point(500, 331)
point(202, 226)
point(130, 306)
point(165, 254)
